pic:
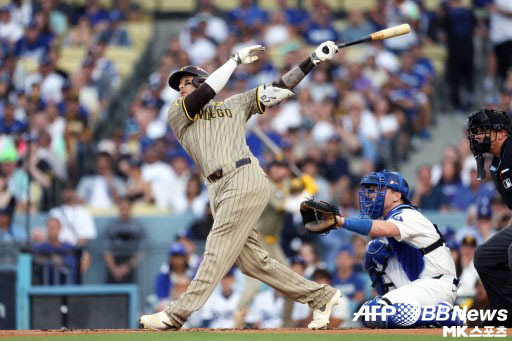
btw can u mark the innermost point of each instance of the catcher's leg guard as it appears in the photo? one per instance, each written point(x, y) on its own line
point(375, 262)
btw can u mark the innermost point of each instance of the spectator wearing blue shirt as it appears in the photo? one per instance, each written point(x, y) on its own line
point(10, 233)
point(450, 180)
point(56, 261)
point(170, 273)
point(95, 13)
point(33, 44)
point(115, 34)
point(320, 29)
point(410, 77)
point(334, 166)
point(357, 27)
point(296, 17)
point(468, 195)
point(248, 14)
point(8, 123)
point(421, 64)
point(483, 229)
point(345, 279)
point(424, 195)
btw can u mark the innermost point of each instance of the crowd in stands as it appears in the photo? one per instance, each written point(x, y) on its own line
point(360, 113)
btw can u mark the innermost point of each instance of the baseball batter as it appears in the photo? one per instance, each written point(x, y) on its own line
point(213, 134)
point(269, 228)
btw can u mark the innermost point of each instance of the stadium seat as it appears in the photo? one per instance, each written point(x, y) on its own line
point(177, 6)
point(146, 5)
point(340, 24)
point(106, 3)
point(437, 54)
point(77, 52)
point(358, 5)
point(271, 5)
point(335, 5)
point(124, 54)
point(431, 5)
point(226, 5)
point(29, 64)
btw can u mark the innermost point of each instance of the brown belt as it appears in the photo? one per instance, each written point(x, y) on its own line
point(219, 173)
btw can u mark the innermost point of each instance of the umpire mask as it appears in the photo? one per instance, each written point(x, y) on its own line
point(481, 124)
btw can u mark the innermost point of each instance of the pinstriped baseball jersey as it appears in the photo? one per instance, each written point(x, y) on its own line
point(219, 124)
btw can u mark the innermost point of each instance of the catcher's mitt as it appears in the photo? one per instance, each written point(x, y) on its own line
point(319, 217)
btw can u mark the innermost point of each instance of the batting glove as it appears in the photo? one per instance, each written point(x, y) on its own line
point(244, 55)
point(324, 51)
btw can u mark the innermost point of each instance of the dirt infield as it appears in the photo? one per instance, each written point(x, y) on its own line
point(422, 331)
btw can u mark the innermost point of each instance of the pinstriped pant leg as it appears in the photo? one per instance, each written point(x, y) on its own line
point(237, 207)
point(255, 262)
point(275, 251)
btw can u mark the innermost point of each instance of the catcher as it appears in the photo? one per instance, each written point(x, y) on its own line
point(413, 268)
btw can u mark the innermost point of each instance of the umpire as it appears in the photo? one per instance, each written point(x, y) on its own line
point(490, 131)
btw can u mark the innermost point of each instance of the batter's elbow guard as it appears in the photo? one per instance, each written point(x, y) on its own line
point(270, 95)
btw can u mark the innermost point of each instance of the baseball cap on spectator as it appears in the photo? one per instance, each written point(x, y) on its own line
point(32, 24)
point(45, 60)
point(177, 249)
point(149, 102)
point(116, 15)
point(135, 163)
point(154, 83)
point(468, 241)
point(278, 163)
point(347, 248)
point(104, 38)
point(4, 77)
point(231, 272)
point(298, 260)
point(88, 61)
point(286, 145)
point(449, 232)
point(484, 210)
point(132, 128)
point(453, 245)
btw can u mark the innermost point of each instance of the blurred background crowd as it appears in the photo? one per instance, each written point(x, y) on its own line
point(84, 133)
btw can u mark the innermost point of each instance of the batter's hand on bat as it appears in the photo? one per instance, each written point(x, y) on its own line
point(245, 55)
point(325, 51)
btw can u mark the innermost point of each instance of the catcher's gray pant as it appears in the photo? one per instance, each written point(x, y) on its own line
point(237, 201)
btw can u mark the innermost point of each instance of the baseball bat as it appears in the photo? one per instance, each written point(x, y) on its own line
point(274, 148)
point(390, 32)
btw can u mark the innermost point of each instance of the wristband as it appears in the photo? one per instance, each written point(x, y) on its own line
point(361, 226)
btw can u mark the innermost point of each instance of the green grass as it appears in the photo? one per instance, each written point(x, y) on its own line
point(206, 336)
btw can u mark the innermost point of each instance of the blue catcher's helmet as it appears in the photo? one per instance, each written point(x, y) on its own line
point(378, 182)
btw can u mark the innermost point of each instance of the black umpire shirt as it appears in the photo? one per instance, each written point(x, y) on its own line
point(501, 172)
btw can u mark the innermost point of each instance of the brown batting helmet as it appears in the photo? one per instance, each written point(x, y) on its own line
point(199, 74)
